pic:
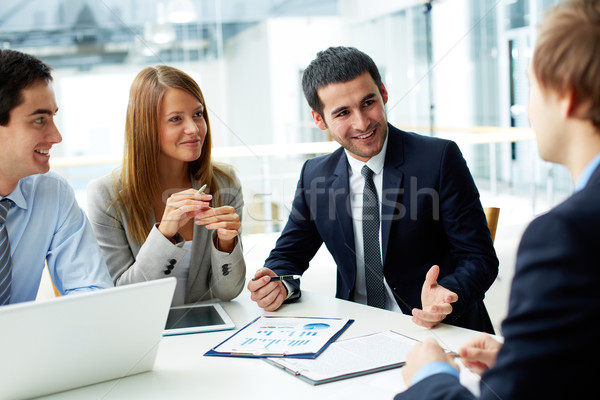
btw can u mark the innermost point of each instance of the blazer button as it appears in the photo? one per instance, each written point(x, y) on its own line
point(167, 271)
point(225, 269)
point(172, 261)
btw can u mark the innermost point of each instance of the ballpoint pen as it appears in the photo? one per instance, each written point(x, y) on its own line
point(282, 278)
point(201, 190)
point(454, 354)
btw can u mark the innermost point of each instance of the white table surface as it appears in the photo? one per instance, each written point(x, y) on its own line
point(182, 372)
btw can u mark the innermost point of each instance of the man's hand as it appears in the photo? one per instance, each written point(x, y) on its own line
point(479, 353)
point(424, 353)
point(268, 295)
point(435, 299)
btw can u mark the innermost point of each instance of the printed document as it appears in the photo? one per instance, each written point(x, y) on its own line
point(283, 336)
point(351, 357)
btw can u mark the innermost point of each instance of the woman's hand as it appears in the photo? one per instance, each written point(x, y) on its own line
point(225, 221)
point(180, 208)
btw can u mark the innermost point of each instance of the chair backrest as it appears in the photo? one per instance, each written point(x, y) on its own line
point(491, 215)
point(54, 288)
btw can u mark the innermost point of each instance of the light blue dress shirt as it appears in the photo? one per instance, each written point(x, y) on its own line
point(45, 223)
point(587, 172)
point(432, 368)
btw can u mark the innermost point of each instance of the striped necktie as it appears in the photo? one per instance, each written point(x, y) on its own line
point(5, 267)
point(372, 250)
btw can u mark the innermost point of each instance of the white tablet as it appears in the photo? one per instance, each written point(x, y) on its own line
point(194, 318)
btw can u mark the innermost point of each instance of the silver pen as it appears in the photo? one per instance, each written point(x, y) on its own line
point(201, 190)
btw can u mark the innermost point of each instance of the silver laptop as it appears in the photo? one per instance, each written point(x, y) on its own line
point(80, 339)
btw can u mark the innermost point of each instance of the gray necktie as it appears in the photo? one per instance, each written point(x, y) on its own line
point(5, 267)
point(372, 250)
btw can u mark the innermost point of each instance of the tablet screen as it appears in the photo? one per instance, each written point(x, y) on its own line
point(193, 316)
point(197, 318)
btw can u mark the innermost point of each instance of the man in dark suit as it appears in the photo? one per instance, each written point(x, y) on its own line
point(410, 237)
point(551, 333)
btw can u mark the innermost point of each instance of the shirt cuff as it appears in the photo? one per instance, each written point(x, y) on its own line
point(290, 289)
point(432, 368)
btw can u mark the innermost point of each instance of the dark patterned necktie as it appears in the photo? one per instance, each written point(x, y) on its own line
point(5, 267)
point(372, 250)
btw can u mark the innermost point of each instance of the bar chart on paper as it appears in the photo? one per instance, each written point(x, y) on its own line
point(274, 338)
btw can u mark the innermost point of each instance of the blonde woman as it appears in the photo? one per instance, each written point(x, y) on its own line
point(149, 216)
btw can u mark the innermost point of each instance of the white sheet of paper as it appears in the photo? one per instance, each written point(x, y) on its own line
point(352, 356)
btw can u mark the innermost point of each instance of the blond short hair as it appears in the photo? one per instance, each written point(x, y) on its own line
point(567, 53)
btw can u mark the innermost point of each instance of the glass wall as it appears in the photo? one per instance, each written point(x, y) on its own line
point(452, 68)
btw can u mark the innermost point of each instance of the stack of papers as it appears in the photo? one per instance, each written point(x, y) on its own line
point(351, 357)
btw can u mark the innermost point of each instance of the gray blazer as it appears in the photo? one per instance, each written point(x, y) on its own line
point(212, 274)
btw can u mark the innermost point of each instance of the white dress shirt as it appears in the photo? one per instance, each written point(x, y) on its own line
point(357, 183)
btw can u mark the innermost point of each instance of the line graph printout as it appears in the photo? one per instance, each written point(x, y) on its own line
point(283, 336)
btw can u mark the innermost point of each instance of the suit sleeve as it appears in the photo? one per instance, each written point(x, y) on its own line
point(551, 340)
point(228, 270)
point(156, 252)
point(436, 387)
point(475, 263)
point(300, 239)
point(550, 345)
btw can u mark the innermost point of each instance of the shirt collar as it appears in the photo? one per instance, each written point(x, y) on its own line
point(375, 163)
point(17, 196)
point(587, 172)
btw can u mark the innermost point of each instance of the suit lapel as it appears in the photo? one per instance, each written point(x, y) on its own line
point(340, 184)
point(392, 182)
point(595, 178)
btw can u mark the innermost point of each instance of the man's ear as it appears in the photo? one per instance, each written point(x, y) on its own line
point(384, 93)
point(568, 102)
point(318, 120)
point(571, 106)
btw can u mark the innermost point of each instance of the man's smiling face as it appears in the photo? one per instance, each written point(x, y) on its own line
point(29, 135)
point(354, 114)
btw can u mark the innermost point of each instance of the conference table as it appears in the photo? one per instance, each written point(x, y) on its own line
point(182, 371)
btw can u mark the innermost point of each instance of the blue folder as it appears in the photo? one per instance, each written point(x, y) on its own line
point(213, 352)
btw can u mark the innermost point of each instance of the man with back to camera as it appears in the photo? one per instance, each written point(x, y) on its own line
point(551, 333)
point(408, 233)
point(40, 220)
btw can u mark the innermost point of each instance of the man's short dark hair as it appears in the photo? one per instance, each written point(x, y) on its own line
point(17, 72)
point(336, 64)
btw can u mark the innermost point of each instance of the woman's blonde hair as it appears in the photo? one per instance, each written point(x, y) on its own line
point(139, 175)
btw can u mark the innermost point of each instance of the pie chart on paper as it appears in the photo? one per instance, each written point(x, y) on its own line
point(316, 326)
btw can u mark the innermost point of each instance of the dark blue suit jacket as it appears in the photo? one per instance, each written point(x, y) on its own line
point(551, 333)
point(431, 214)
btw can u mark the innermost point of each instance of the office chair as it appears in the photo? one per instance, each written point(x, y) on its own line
point(491, 215)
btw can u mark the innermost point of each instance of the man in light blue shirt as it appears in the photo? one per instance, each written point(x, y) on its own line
point(43, 221)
